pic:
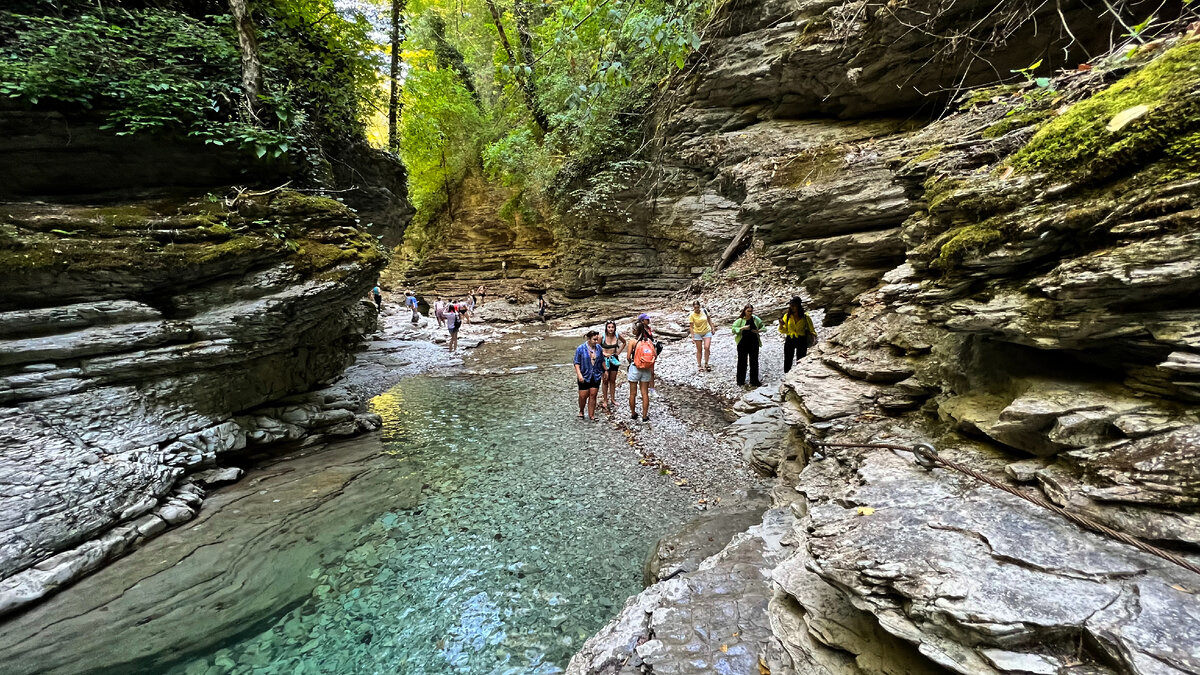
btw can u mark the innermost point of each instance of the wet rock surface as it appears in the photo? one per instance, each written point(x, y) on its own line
point(200, 336)
point(247, 554)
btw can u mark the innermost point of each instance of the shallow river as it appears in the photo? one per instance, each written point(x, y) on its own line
point(530, 534)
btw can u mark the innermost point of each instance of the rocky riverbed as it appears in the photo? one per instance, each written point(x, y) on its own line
point(312, 559)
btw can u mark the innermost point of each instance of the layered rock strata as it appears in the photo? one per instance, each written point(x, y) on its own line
point(140, 343)
point(1039, 329)
point(746, 150)
point(487, 236)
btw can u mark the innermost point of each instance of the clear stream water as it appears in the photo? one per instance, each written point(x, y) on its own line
point(530, 534)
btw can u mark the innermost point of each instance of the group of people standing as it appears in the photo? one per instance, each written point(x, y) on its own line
point(597, 368)
point(452, 316)
point(597, 361)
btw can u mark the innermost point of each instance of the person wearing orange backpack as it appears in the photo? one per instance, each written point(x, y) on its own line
point(642, 354)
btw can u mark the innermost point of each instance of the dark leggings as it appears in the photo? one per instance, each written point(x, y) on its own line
point(747, 351)
point(794, 346)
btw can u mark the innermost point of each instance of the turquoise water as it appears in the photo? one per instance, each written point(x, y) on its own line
point(530, 535)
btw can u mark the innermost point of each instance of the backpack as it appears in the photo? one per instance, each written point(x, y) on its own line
point(644, 354)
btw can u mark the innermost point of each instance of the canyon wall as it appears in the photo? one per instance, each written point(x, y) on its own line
point(155, 320)
point(1015, 284)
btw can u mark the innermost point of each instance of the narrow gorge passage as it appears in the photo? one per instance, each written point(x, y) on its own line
point(528, 534)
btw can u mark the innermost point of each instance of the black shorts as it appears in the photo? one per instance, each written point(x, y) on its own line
point(585, 385)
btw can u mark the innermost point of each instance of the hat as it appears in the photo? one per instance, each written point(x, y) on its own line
point(643, 316)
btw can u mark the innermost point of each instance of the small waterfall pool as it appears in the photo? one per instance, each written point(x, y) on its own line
point(530, 534)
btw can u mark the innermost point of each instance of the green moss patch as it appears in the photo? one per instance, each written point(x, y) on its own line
point(315, 233)
point(1081, 143)
point(1018, 118)
point(969, 239)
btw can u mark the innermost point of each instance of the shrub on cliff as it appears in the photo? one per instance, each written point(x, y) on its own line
point(176, 71)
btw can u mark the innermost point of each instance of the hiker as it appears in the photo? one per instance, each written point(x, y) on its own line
point(643, 320)
point(410, 299)
point(482, 294)
point(542, 306)
point(641, 354)
point(746, 334)
point(464, 309)
point(439, 312)
point(611, 345)
point(700, 329)
point(589, 368)
point(453, 323)
point(798, 332)
point(378, 295)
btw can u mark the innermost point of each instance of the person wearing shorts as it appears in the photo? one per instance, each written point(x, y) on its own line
point(700, 328)
point(639, 378)
point(611, 344)
point(453, 323)
point(589, 369)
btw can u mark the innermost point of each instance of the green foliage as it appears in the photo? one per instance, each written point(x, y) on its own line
point(157, 70)
point(437, 134)
point(595, 66)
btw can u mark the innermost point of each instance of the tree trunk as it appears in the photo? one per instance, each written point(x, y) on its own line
point(252, 78)
point(394, 103)
point(524, 82)
point(525, 36)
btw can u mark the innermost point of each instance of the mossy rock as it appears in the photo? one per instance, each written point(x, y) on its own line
point(291, 204)
point(809, 166)
point(1085, 143)
point(1018, 118)
point(969, 239)
point(165, 241)
point(988, 95)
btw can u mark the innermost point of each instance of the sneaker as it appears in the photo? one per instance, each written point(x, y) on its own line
point(633, 416)
point(645, 418)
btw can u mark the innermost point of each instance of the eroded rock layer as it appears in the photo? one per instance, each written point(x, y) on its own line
point(1036, 323)
point(746, 147)
point(142, 342)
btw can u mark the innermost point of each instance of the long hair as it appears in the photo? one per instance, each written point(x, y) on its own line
point(795, 307)
point(614, 327)
point(639, 331)
point(747, 308)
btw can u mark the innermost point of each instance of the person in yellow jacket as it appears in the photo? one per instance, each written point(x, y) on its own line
point(798, 332)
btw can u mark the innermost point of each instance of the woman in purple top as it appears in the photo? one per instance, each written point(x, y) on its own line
point(589, 368)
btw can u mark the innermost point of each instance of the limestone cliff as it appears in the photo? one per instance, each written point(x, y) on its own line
point(1017, 285)
point(141, 342)
point(486, 236)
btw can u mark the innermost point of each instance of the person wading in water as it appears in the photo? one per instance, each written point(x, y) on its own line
point(700, 328)
point(589, 368)
point(611, 343)
point(641, 370)
point(798, 332)
point(746, 334)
